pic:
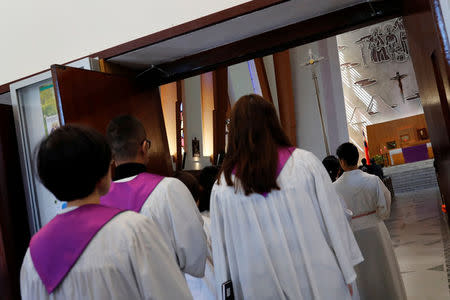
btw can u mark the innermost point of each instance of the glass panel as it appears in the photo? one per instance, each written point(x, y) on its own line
point(37, 116)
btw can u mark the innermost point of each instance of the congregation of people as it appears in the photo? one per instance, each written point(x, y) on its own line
point(271, 222)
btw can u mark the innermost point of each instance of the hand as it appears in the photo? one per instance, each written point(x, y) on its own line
point(350, 289)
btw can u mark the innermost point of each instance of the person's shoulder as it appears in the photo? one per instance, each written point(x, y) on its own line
point(301, 153)
point(171, 182)
point(305, 159)
point(368, 175)
point(125, 222)
point(221, 183)
point(339, 181)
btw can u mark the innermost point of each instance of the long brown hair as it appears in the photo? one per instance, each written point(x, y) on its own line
point(255, 134)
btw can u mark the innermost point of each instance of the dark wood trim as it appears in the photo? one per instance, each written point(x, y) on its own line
point(262, 77)
point(281, 39)
point(285, 91)
point(179, 160)
point(185, 28)
point(221, 103)
point(14, 229)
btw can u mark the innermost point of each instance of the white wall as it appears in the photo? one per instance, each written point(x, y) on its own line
point(445, 7)
point(386, 88)
point(239, 81)
point(40, 33)
point(192, 114)
point(309, 127)
point(5, 99)
point(270, 72)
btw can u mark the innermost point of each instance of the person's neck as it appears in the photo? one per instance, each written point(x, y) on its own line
point(351, 168)
point(130, 161)
point(93, 198)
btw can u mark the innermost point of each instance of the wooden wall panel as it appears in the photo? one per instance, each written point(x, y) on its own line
point(180, 100)
point(285, 93)
point(379, 134)
point(207, 90)
point(94, 98)
point(169, 98)
point(14, 228)
point(222, 106)
point(429, 48)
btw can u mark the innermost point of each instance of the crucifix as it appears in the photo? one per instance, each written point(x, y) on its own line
point(399, 77)
point(311, 62)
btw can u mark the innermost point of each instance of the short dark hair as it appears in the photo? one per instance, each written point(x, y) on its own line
point(331, 164)
point(348, 153)
point(206, 179)
point(190, 182)
point(72, 160)
point(364, 161)
point(125, 134)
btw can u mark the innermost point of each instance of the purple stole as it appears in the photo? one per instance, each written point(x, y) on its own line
point(57, 246)
point(131, 195)
point(283, 155)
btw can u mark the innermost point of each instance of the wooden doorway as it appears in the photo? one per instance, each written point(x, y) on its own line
point(429, 46)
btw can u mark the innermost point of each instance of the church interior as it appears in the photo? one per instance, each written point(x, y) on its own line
point(352, 73)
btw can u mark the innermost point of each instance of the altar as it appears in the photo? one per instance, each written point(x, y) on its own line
point(410, 154)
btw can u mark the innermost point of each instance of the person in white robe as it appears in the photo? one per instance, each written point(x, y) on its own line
point(90, 251)
point(288, 241)
point(202, 288)
point(127, 259)
point(170, 204)
point(368, 198)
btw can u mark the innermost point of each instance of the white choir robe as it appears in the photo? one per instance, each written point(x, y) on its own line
point(173, 208)
point(379, 275)
point(126, 259)
point(204, 288)
point(295, 243)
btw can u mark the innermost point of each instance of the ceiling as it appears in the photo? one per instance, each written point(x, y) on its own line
point(230, 31)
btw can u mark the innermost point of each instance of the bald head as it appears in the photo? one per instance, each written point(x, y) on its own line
point(125, 134)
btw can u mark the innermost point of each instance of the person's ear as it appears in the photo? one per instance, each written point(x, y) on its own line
point(144, 148)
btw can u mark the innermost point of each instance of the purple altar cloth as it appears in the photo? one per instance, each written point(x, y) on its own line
point(415, 153)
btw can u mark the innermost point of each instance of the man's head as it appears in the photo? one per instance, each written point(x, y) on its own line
point(74, 162)
point(364, 161)
point(348, 156)
point(128, 140)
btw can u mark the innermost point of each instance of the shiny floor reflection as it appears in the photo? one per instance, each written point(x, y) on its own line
point(419, 235)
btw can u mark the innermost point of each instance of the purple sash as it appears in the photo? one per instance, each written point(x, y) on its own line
point(131, 195)
point(58, 245)
point(283, 156)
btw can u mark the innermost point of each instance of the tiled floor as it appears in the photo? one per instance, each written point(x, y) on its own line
point(419, 234)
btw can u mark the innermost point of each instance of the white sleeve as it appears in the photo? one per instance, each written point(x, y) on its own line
point(178, 215)
point(383, 200)
point(156, 272)
point(220, 257)
point(340, 235)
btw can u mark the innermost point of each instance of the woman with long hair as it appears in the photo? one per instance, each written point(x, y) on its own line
point(278, 229)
